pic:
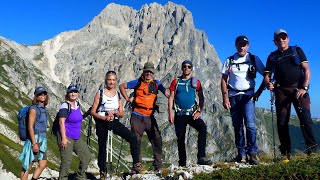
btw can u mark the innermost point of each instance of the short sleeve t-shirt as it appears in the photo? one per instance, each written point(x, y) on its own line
point(73, 120)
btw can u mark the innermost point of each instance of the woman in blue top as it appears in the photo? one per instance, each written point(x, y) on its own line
point(69, 138)
point(34, 149)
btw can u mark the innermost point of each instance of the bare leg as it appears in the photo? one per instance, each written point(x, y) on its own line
point(40, 168)
point(24, 173)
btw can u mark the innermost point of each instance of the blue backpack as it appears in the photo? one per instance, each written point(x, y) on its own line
point(23, 115)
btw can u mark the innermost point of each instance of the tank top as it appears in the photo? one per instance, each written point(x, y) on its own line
point(108, 104)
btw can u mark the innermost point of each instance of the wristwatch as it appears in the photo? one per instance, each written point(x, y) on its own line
point(305, 88)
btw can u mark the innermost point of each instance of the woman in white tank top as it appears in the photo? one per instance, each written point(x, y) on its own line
point(106, 115)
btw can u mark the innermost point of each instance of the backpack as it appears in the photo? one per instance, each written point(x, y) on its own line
point(23, 117)
point(194, 84)
point(55, 125)
point(153, 88)
point(295, 57)
point(252, 70)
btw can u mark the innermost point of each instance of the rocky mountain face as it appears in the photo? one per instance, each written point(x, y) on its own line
point(123, 39)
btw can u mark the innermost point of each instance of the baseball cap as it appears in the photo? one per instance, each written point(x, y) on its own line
point(186, 62)
point(72, 87)
point(278, 32)
point(242, 39)
point(39, 90)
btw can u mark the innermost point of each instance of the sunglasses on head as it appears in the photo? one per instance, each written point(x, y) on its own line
point(112, 72)
point(187, 66)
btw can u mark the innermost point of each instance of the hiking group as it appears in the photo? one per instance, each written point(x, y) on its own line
point(286, 75)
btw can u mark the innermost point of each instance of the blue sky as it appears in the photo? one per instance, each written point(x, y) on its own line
point(33, 21)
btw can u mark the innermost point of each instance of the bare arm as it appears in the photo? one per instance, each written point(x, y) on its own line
point(307, 74)
point(95, 106)
point(64, 140)
point(170, 107)
point(123, 92)
point(31, 121)
point(120, 113)
point(224, 91)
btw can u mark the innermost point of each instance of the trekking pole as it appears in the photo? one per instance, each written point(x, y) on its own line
point(274, 141)
point(121, 148)
point(89, 130)
point(109, 147)
point(111, 134)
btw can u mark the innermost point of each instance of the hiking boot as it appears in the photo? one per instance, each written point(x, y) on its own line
point(312, 155)
point(241, 159)
point(103, 175)
point(254, 160)
point(204, 161)
point(285, 158)
point(136, 168)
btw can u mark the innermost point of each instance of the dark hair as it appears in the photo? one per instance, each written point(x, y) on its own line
point(35, 100)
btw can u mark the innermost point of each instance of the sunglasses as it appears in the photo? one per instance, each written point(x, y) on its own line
point(283, 37)
point(73, 91)
point(43, 94)
point(149, 72)
point(242, 44)
point(187, 67)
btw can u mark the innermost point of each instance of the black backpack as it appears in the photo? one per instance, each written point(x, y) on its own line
point(252, 71)
point(55, 125)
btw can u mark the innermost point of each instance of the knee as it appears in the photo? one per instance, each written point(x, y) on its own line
point(180, 134)
point(203, 128)
point(158, 141)
point(43, 165)
point(250, 125)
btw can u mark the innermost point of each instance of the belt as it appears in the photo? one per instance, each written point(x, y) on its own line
point(229, 87)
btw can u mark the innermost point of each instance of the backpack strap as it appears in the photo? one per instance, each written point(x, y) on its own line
point(231, 59)
point(252, 59)
point(101, 87)
point(295, 55)
point(194, 83)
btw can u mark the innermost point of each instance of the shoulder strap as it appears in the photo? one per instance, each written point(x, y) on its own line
point(119, 97)
point(101, 93)
point(138, 84)
point(194, 82)
point(177, 82)
point(252, 59)
point(295, 55)
point(231, 58)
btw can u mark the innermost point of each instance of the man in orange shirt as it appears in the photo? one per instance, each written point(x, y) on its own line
point(143, 107)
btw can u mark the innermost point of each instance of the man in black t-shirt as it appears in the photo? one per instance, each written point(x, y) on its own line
point(290, 85)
